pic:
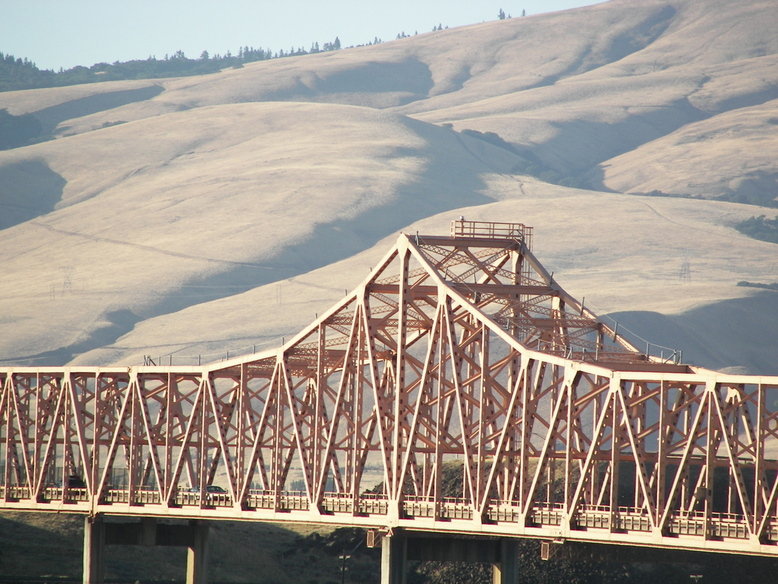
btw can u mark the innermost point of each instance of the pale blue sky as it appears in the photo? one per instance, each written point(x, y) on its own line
point(65, 33)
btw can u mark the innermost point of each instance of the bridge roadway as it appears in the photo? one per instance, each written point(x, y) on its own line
point(458, 389)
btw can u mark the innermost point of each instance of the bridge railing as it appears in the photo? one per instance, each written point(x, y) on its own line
point(492, 230)
point(547, 514)
point(418, 506)
point(541, 514)
point(373, 504)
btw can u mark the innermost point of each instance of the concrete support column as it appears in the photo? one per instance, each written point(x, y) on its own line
point(393, 558)
point(507, 570)
point(197, 554)
point(94, 546)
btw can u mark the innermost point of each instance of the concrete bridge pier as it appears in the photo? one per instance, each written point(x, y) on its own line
point(98, 533)
point(394, 558)
point(506, 569)
point(197, 554)
point(399, 547)
point(94, 546)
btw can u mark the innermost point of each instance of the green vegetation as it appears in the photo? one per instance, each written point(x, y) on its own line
point(760, 228)
point(746, 284)
point(47, 547)
point(17, 73)
point(20, 73)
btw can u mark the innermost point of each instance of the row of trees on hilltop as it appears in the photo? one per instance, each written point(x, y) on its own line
point(17, 73)
point(21, 73)
point(502, 16)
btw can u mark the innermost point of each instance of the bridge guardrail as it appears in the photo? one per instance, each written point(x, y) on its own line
point(284, 501)
point(546, 514)
point(718, 525)
point(418, 506)
point(503, 512)
point(456, 508)
point(260, 499)
point(338, 502)
point(713, 525)
point(57, 494)
point(332, 502)
point(373, 504)
point(192, 497)
point(15, 493)
point(49, 493)
point(492, 230)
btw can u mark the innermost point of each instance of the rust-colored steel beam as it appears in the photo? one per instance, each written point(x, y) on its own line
point(459, 389)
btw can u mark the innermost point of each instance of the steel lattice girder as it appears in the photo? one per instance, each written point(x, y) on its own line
point(458, 357)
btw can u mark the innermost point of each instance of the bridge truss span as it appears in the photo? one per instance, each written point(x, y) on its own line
point(458, 389)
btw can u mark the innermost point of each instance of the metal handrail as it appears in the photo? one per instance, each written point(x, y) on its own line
point(492, 230)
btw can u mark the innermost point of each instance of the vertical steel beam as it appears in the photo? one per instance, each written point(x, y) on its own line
point(400, 390)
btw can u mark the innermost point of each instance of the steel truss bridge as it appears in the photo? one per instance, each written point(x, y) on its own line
point(459, 356)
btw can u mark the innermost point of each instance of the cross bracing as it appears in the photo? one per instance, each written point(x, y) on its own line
point(459, 356)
